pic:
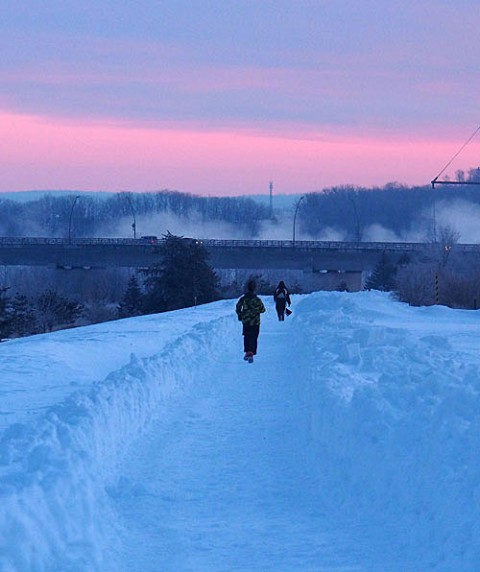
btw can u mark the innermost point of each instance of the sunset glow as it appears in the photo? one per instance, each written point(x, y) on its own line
point(63, 155)
point(161, 98)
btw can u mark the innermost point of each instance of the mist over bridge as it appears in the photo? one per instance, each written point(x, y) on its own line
point(315, 261)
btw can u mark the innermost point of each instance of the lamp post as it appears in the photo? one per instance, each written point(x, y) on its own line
point(134, 223)
point(295, 216)
point(70, 219)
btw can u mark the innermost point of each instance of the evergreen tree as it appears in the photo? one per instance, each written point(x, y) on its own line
point(132, 302)
point(5, 315)
point(383, 275)
point(23, 316)
point(183, 278)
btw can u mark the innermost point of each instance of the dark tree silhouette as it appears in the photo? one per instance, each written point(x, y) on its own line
point(183, 278)
point(23, 316)
point(132, 303)
point(52, 309)
point(5, 314)
point(383, 275)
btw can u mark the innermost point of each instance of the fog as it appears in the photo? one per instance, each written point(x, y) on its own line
point(281, 228)
point(460, 216)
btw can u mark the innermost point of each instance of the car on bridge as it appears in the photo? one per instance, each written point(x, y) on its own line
point(150, 239)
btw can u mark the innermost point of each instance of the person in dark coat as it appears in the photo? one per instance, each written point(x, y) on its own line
point(282, 298)
point(248, 310)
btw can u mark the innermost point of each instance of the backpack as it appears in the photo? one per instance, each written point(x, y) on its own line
point(280, 294)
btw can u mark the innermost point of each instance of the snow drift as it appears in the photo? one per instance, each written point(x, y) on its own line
point(54, 472)
point(389, 426)
point(395, 422)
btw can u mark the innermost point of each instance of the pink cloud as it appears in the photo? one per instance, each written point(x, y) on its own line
point(43, 154)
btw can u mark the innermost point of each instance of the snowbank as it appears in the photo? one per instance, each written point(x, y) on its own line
point(53, 472)
point(395, 421)
point(389, 424)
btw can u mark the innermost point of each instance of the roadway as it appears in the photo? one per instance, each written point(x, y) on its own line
point(315, 256)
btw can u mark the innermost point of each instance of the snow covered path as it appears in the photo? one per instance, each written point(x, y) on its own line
point(222, 482)
point(229, 478)
point(351, 444)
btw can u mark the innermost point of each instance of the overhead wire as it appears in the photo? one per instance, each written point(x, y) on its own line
point(457, 153)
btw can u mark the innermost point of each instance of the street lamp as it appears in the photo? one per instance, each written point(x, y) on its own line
point(295, 216)
point(70, 219)
point(134, 223)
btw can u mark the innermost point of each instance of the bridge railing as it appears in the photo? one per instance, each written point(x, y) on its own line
point(311, 244)
point(229, 243)
point(333, 245)
point(33, 241)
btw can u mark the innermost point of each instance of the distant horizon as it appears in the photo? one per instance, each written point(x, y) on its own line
point(265, 194)
point(83, 191)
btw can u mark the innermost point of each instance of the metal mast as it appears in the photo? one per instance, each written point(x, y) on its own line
point(271, 199)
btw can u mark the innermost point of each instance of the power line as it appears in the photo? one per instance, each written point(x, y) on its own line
point(456, 155)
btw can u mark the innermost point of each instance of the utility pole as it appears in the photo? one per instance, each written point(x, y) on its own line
point(295, 217)
point(271, 199)
point(70, 219)
point(134, 223)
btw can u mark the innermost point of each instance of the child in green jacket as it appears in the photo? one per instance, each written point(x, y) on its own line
point(248, 309)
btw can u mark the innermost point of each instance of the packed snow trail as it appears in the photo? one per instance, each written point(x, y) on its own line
point(225, 480)
point(221, 481)
point(351, 444)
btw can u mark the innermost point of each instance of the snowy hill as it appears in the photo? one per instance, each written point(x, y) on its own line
point(148, 444)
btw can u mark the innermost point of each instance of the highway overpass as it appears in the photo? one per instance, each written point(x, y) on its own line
point(306, 258)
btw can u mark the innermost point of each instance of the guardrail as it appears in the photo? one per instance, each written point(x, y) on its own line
point(312, 244)
point(227, 243)
point(33, 241)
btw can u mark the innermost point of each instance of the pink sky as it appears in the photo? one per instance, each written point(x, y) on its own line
point(222, 97)
point(46, 154)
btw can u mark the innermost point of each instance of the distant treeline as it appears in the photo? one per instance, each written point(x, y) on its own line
point(350, 210)
point(400, 209)
point(54, 216)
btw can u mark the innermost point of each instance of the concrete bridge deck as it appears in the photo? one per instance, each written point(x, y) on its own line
point(262, 254)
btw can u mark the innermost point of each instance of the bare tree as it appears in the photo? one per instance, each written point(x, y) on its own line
point(448, 237)
point(53, 310)
point(415, 284)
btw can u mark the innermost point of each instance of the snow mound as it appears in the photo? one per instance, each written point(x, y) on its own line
point(53, 472)
point(395, 422)
point(387, 414)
